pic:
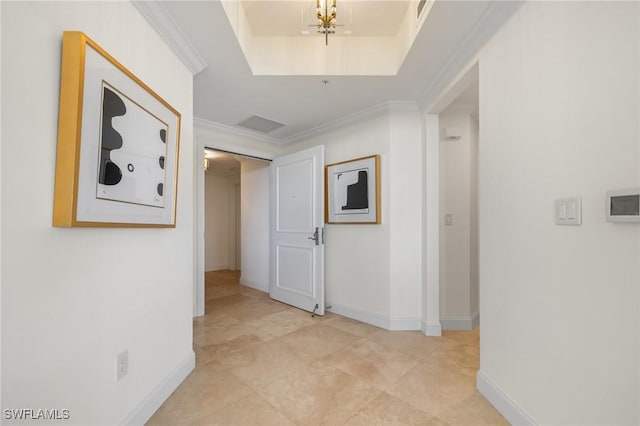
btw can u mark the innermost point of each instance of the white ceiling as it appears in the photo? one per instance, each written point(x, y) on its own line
point(226, 92)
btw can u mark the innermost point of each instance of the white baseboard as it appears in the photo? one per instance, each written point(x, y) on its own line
point(475, 320)
point(460, 323)
point(255, 285)
point(501, 401)
point(434, 330)
point(376, 319)
point(366, 317)
point(406, 324)
point(143, 412)
point(217, 268)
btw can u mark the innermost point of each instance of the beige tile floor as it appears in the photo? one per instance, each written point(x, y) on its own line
point(261, 362)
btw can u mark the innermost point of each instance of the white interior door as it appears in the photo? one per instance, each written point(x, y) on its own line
point(297, 230)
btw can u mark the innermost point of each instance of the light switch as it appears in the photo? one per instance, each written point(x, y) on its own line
point(563, 211)
point(569, 211)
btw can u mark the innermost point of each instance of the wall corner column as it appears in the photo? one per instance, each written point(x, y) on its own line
point(431, 230)
point(198, 229)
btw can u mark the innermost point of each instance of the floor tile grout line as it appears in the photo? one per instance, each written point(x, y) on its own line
point(452, 357)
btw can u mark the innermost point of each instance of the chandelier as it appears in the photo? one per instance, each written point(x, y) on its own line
point(326, 21)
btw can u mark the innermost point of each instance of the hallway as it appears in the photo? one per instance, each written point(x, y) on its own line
point(261, 362)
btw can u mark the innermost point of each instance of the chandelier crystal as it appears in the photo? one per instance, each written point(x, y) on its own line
point(326, 18)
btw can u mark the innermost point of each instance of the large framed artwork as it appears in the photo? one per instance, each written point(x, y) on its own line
point(353, 191)
point(118, 144)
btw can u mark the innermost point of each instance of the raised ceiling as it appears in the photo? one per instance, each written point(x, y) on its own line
point(359, 18)
point(281, 37)
point(228, 92)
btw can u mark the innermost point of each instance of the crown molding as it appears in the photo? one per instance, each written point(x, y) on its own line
point(203, 125)
point(161, 20)
point(357, 117)
point(402, 106)
point(467, 109)
point(496, 14)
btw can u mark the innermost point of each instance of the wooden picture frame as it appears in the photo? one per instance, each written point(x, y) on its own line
point(118, 144)
point(352, 191)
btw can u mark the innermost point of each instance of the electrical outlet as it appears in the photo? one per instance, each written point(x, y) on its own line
point(448, 219)
point(122, 364)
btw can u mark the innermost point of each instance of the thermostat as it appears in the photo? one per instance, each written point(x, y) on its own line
point(623, 205)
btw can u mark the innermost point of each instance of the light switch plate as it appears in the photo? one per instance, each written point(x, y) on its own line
point(569, 211)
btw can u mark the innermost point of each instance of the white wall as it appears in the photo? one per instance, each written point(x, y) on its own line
point(233, 213)
point(458, 249)
point(405, 220)
point(560, 116)
point(74, 298)
point(1, 275)
point(372, 272)
point(474, 266)
point(217, 221)
point(254, 245)
point(357, 256)
point(430, 300)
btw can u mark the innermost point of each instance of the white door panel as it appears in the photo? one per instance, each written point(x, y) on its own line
point(294, 197)
point(297, 218)
point(295, 269)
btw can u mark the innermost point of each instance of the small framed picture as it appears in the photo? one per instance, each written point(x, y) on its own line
point(353, 191)
point(118, 142)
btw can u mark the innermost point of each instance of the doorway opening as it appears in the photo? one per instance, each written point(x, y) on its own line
point(234, 205)
point(222, 215)
point(459, 127)
point(451, 220)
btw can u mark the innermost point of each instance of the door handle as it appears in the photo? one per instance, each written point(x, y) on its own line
point(315, 237)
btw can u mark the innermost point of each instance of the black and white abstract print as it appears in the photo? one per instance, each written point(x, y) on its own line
point(351, 192)
point(132, 151)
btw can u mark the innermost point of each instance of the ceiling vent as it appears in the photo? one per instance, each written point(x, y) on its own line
point(260, 124)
